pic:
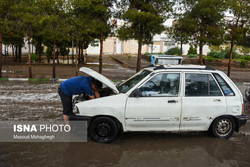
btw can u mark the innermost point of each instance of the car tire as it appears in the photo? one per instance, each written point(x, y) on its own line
point(223, 127)
point(103, 130)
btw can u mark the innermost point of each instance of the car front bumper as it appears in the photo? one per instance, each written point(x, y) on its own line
point(78, 118)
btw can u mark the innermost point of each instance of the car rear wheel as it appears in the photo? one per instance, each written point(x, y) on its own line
point(103, 130)
point(223, 127)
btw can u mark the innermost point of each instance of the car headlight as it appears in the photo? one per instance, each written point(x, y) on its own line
point(75, 110)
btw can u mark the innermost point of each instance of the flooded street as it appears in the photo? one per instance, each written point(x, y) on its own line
point(24, 101)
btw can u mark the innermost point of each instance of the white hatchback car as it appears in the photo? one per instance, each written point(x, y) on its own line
point(164, 98)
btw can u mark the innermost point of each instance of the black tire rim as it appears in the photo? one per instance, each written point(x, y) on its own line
point(103, 129)
point(223, 127)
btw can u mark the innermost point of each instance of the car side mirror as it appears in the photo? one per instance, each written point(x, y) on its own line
point(136, 93)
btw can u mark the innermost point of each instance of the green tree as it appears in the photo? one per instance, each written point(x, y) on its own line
point(100, 11)
point(28, 16)
point(14, 37)
point(4, 11)
point(143, 19)
point(91, 21)
point(54, 22)
point(180, 31)
point(237, 26)
point(205, 18)
point(192, 50)
point(82, 26)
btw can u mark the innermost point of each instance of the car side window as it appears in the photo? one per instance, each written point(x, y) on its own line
point(201, 85)
point(224, 86)
point(165, 84)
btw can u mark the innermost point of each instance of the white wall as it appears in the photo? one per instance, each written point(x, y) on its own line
point(24, 49)
point(93, 50)
point(185, 48)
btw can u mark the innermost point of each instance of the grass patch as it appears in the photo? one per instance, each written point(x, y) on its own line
point(209, 58)
point(192, 56)
point(39, 79)
point(4, 79)
point(243, 62)
point(116, 80)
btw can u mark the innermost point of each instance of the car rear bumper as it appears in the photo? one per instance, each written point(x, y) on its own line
point(241, 120)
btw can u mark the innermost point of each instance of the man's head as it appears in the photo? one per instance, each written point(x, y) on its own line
point(96, 85)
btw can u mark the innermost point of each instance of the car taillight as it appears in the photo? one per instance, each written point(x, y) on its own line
point(243, 109)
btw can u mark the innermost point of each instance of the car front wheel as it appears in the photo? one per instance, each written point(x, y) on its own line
point(103, 130)
point(223, 127)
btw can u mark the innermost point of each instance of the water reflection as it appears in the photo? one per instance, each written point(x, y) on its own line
point(133, 149)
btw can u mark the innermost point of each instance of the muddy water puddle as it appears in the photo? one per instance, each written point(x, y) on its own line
point(29, 101)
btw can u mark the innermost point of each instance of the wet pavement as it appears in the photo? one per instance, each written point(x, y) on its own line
point(39, 101)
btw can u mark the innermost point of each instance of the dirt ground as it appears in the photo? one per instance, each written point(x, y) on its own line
point(111, 69)
point(114, 67)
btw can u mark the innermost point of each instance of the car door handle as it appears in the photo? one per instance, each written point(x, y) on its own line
point(172, 101)
point(217, 100)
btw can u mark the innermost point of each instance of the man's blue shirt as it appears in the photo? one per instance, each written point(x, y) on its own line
point(77, 86)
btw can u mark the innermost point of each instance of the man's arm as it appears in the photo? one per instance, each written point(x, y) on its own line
point(97, 95)
point(91, 97)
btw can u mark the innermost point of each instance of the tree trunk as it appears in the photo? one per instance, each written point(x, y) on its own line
point(63, 58)
point(5, 51)
point(40, 52)
point(20, 53)
point(1, 44)
point(72, 52)
point(16, 53)
point(68, 56)
point(30, 72)
point(57, 56)
point(76, 61)
point(181, 46)
point(54, 57)
point(13, 53)
point(201, 56)
point(138, 67)
point(79, 52)
point(230, 59)
point(82, 52)
point(101, 50)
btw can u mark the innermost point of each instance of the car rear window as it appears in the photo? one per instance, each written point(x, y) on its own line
point(224, 86)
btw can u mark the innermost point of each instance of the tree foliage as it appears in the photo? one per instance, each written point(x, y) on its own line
point(205, 21)
point(180, 31)
point(59, 23)
point(5, 7)
point(143, 19)
point(90, 20)
point(237, 26)
point(54, 23)
point(174, 51)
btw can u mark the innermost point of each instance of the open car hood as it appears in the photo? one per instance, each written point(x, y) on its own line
point(99, 77)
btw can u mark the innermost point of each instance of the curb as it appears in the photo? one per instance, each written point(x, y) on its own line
point(57, 80)
point(28, 79)
point(122, 62)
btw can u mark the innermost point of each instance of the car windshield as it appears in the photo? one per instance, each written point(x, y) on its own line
point(127, 85)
